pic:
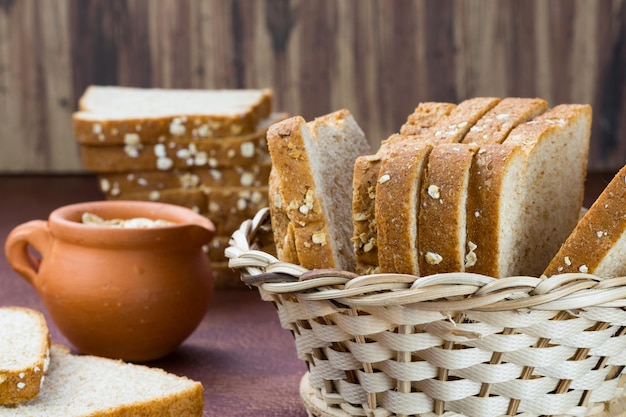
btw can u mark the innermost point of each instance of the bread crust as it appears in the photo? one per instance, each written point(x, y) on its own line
point(490, 164)
point(18, 385)
point(396, 208)
point(442, 214)
point(498, 122)
point(596, 235)
point(118, 184)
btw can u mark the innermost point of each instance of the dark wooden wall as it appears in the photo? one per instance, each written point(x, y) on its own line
point(378, 58)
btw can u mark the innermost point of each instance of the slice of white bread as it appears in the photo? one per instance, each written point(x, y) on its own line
point(498, 122)
point(525, 194)
point(81, 386)
point(366, 171)
point(24, 354)
point(314, 162)
point(112, 115)
point(399, 185)
point(598, 243)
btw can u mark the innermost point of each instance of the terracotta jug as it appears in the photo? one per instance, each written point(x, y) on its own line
point(127, 293)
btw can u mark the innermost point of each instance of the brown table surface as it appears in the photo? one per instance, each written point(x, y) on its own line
point(245, 360)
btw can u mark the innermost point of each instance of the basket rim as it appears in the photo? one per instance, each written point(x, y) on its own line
point(454, 291)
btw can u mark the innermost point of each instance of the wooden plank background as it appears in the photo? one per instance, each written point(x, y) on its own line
point(377, 58)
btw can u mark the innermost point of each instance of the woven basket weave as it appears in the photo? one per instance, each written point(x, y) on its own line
point(454, 344)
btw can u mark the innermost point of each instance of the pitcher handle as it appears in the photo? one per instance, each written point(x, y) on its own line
point(35, 234)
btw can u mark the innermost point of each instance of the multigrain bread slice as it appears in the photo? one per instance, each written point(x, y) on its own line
point(82, 386)
point(598, 243)
point(396, 207)
point(180, 153)
point(24, 354)
point(366, 171)
point(397, 203)
point(442, 216)
point(118, 184)
point(314, 162)
point(498, 122)
point(525, 195)
point(111, 115)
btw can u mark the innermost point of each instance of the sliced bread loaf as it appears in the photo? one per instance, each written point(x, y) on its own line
point(397, 203)
point(314, 162)
point(110, 114)
point(24, 354)
point(525, 194)
point(598, 243)
point(366, 172)
point(81, 386)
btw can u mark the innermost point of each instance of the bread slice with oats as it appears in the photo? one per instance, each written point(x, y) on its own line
point(24, 354)
point(525, 195)
point(598, 243)
point(314, 162)
point(442, 215)
point(398, 191)
point(366, 171)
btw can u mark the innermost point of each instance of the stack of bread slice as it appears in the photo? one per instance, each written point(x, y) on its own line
point(202, 149)
point(40, 379)
point(490, 186)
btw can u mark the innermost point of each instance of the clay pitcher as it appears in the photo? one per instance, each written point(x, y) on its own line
point(128, 293)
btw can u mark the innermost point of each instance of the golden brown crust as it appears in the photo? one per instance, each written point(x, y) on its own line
point(118, 184)
point(496, 124)
point(88, 130)
point(453, 128)
point(177, 153)
point(282, 228)
point(490, 165)
point(596, 233)
point(397, 199)
point(425, 116)
point(442, 225)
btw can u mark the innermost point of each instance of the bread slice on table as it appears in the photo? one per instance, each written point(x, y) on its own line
point(525, 195)
point(366, 170)
point(498, 122)
point(93, 386)
point(112, 115)
point(24, 354)
point(399, 186)
point(598, 243)
point(314, 162)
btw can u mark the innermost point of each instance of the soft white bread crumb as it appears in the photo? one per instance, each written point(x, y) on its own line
point(81, 386)
point(24, 351)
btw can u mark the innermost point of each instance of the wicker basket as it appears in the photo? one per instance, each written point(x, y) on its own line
point(454, 344)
